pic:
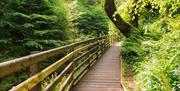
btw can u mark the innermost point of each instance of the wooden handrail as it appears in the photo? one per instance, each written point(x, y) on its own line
point(92, 48)
point(23, 62)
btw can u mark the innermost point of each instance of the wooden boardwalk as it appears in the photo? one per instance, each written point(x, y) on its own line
point(105, 75)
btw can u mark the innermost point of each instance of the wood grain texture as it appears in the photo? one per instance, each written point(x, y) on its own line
point(105, 75)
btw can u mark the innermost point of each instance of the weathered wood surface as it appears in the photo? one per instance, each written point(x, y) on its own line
point(105, 75)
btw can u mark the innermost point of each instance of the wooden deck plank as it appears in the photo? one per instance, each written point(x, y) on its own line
point(105, 75)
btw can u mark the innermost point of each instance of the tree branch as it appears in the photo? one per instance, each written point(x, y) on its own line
point(111, 11)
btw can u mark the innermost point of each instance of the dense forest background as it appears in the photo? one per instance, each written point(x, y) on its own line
point(152, 48)
point(31, 25)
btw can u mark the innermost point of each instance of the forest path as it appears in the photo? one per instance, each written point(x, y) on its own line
point(105, 75)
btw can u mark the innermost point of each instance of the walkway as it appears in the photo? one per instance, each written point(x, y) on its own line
point(105, 75)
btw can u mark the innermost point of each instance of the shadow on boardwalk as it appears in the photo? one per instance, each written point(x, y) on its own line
point(105, 75)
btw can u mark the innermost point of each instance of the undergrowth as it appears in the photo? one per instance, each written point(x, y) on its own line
point(155, 54)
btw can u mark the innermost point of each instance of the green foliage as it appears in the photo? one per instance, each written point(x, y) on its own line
point(12, 80)
point(86, 19)
point(113, 30)
point(153, 48)
point(131, 50)
point(36, 25)
point(155, 60)
point(92, 22)
point(28, 26)
point(163, 7)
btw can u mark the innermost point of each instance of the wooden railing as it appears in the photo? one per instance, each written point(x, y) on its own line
point(81, 56)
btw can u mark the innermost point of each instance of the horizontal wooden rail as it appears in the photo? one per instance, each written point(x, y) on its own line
point(20, 63)
point(82, 55)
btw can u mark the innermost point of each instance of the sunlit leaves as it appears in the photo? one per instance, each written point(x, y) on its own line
point(155, 57)
point(164, 7)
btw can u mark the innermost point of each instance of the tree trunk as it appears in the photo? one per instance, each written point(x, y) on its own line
point(111, 11)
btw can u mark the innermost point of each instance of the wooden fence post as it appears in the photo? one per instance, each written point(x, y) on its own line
point(110, 37)
point(108, 41)
point(33, 69)
point(97, 49)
